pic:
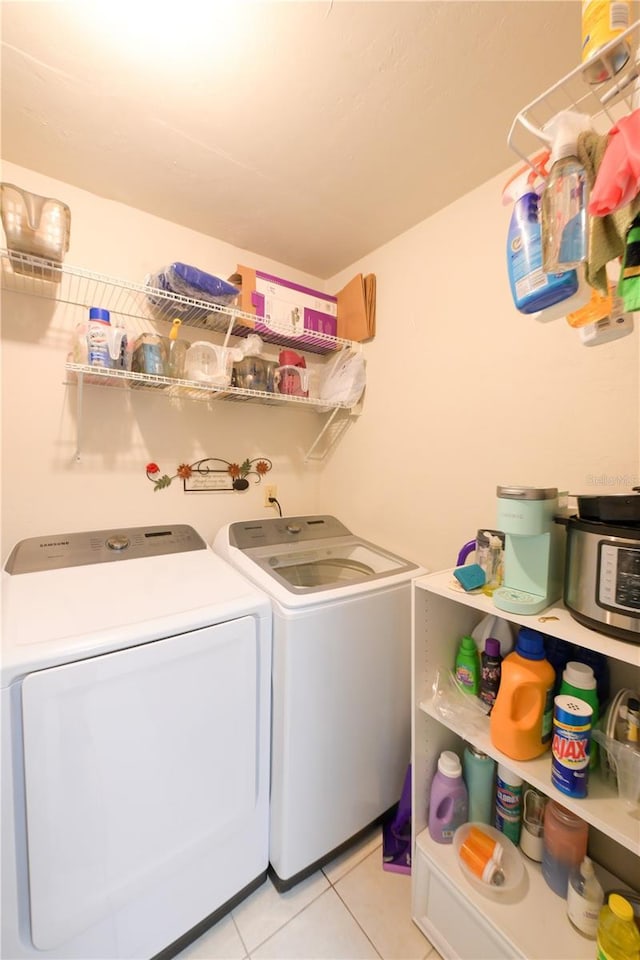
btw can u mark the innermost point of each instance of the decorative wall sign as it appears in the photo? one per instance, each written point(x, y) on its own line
point(211, 474)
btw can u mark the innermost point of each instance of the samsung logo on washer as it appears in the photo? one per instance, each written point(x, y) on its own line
point(513, 516)
point(56, 543)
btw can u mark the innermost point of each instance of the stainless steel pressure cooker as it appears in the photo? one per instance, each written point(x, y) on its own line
point(602, 568)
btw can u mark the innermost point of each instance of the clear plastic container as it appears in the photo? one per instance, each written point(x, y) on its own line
point(564, 840)
point(150, 355)
point(34, 225)
point(209, 363)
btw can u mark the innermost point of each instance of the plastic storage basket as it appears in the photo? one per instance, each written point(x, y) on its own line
point(36, 226)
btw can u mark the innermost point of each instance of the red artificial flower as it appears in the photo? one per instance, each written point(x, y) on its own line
point(153, 468)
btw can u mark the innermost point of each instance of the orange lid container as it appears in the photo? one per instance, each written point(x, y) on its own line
point(521, 721)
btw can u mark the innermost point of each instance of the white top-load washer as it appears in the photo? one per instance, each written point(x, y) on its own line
point(341, 690)
point(135, 688)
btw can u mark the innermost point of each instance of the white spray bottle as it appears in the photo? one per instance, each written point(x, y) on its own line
point(564, 223)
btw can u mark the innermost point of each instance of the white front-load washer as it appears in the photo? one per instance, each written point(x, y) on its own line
point(135, 689)
point(341, 691)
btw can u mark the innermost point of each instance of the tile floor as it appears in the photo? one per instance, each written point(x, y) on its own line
point(351, 909)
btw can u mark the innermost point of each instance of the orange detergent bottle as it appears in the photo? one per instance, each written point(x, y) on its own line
point(522, 717)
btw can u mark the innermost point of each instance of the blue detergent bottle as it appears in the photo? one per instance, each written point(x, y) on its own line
point(532, 289)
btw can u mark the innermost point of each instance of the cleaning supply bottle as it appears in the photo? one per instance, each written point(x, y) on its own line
point(508, 817)
point(468, 666)
point(521, 721)
point(602, 22)
point(617, 937)
point(532, 289)
point(490, 671)
point(98, 338)
point(578, 680)
point(565, 196)
point(479, 775)
point(585, 897)
point(176, 351)
point(497, 628)
point(448, 799)
point(558, 652)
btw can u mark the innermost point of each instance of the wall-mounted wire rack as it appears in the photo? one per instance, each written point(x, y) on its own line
point(138, 305)
point(66, 284)
point(190, 389)
point(605, 102)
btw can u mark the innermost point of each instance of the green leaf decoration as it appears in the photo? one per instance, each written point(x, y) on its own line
point(162, 482)
point(245, 467)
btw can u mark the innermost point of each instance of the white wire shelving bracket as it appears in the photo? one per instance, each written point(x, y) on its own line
point(604, 102)
point(80, 288)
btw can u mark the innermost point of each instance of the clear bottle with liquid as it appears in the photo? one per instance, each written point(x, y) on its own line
point(563, 208)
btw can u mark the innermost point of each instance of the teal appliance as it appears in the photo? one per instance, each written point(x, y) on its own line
point(533, 550)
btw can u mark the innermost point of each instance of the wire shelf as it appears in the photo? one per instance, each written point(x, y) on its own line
point(605, 102)
point(37, 277)
point(191, 389)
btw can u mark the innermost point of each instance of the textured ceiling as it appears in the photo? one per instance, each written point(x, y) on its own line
point(310, 132)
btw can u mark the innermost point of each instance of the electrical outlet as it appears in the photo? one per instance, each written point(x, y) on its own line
point(270, 491)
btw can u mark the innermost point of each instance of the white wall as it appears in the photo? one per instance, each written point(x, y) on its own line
point(464, 393)
point(44, 491)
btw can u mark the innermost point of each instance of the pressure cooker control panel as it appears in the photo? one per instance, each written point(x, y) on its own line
point(619, 580)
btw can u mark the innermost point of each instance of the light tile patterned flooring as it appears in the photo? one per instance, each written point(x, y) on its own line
point(350, 910)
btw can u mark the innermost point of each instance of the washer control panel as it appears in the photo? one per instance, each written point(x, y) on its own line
point(100, 546)
point(271, 532)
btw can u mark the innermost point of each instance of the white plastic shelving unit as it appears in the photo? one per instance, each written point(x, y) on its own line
point(531, 923)
point(142, 308)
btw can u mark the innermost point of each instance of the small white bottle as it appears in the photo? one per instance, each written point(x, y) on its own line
point(98, 334)
point(585, 897)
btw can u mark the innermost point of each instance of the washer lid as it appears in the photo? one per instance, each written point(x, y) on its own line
point(322, 570)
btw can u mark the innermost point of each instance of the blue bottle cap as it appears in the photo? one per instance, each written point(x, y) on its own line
point(97, 313)
point(530, 644)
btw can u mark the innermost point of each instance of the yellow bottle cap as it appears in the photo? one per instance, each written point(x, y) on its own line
point(621, 907)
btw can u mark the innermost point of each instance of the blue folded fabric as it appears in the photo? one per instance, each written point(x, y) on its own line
point(189, 281)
